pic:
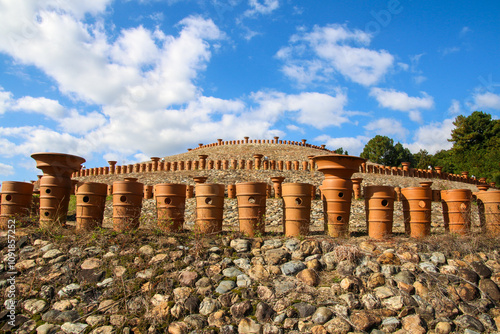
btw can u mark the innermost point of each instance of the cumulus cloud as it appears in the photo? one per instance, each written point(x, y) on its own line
point(454, 108)
point(5, 100)
point(486, 100)
point(313, 56)
point(433, 137)
point(354, 145)
point(387, 127)
point(6, 170)
point(263, 7)
point(395, 100)
point(40, 105)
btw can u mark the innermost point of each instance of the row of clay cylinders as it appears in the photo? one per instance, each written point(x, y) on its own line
point(55, 186)
point(16, 202)
point(247, 140)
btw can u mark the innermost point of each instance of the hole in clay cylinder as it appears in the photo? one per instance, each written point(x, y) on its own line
point(123, 198)
point(46, 213)
point(48, 191)
point(339, 218)
point(251, 200)
point(298, 201)
point(341, 195)
point(86, 199)
point(168, 200)
point(385, 202)
point(208, 200)
point(8, 198)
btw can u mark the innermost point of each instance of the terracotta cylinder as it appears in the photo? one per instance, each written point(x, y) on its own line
point(110, 190)
point(148, 192)
point(241, 164)
point(251, 207)
point(397, 194)
point(170, 206)
point(154, 164)
point(218, 164)
point(127, 204)
point(54, 200)
point(305, 165)
point(249, 164)
point(225, 164)
point(379, 203)
point(234, 164)
point(296, 208)
point(417, 211)
point(203, 161)
point(482, 187)
point(356, 187)
point(457, 210)
point(16, 199)
point(425, 184)
point(277, 181)
point(175, 165)
point(488, 203)
point(90, 205)
point(189, 191)
point(181, 165)
point(231, 191)
point(188, 165)
point(269, 189)
point(209, 208)
point(257, 160)
point(406, 168)
point(288, 165)
point(200, 179)
point(161, 166)
point(436, 195)
point(280, 165)
point(336, 191)
point(313, 192)
point(272, 165)
point(265, 164)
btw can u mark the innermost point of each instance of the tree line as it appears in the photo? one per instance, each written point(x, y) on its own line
point(476, 149)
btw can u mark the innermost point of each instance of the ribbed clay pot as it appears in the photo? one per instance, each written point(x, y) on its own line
point(55, 192)
point(231, 191)
point(148, 191)
point(417, 211)
point(488, 203)
point(90, 205)
point(336, 190)
point(436, 195)
point(456, 210)
point(127, 204)
point(170, 206)
point(296, 208)
point(251, 207)
point(209, 208)
point(356, 187)
point(277, 181)
point(16, 198)
point(189, 191)
point(379, 207)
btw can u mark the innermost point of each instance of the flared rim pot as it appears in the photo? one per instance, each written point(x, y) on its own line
point(342, 166)
point(57, 163)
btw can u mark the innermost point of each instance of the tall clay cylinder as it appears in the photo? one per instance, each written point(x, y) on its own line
point(379, 206)
point(148, 192)
point(127, 204)
point(296, 208)
point(15, 201)
point(456, 210)
point(189, 191)
point(90, 205)
point(54, 200)
point(251, 207)
point(170, 206)
point(209, 207)
point(488, 203)
point(231, 191)
point(356, 187)
point(417, 211)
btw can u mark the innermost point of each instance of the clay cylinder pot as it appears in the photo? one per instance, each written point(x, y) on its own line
point(417, 211)
point(456, 210)
point(397, 194)
point(90, 205)
point(200, 179)
point(336, 190)
point(277, 181)
point(251, 207)
point(189, 191)
point(296, 208)
point(170, 206)
point(436, 195)
point(379, 203)
point(425, 184)
point(16, 198)
point(356, 187)
point(110, 190)
point(148, 192)
point(209, 208)
point(488, 203)
point(54, 200)
point(231, 191)
point(127, 204)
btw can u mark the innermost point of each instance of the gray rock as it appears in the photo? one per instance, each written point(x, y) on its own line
point(95, 320)
point(208, 306)
point(263, 312)
point(481, 269)
point(35, 306)
point(428, 266)
point(272, 243)
point(51, 315)
point(304, 309)
point(337, 326)
point(469, 322)
point(383, 292)
point(103, 330)
point(47, 329)
point(282, 287)
point(248, 325)
point(405, 276)
point(395, 303)
point(322, 315)
point(438, 258)
point(388, 270)
point(232, 272)
point(196, 321)
point(240, 245)
point(390, 325)
point(52, 254)
point(67, 316)
point(68, 290)
point(243, 263)
point(279, 318)
point(241, 309)
point(292, 267)
point(370, 302)
point(243, 281)
point(292, 245)
point(73, 328)
point(272, 329)
point(276, 256)
point(351, 300)
point(225, 286)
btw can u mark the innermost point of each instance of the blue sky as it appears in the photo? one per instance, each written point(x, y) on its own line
point(129, 79)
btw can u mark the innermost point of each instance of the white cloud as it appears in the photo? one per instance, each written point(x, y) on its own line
point(6, 170)
point(40, 105)
point(454, 108)
point(433, 137)
point(313, 56)
point(447, 51)
point(5, 100)
point(295, 128)
point(81, 124)
point(263, 7)
point(395, 100)
point(354, 145)
point(465, 30)
point(387, 127)
point(486, 100)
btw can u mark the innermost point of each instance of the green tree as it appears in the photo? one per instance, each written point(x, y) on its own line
point(402, 154)
point(422, 159)
point(340, 150)
point(380, 150)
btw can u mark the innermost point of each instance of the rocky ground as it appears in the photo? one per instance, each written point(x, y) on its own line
point(147, 281)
